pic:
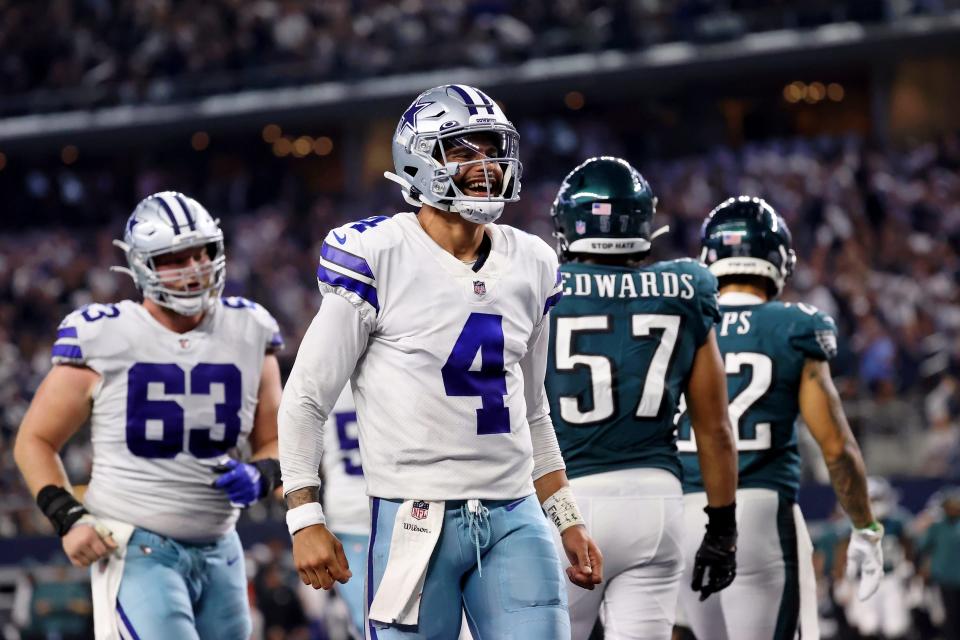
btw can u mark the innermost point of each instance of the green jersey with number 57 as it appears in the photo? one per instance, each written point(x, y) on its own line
point(622, 345)
point(764, 346)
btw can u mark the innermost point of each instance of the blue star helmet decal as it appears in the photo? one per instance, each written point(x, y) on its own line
point(409, 117)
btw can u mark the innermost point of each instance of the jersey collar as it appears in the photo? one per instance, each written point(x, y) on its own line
point(738, 299)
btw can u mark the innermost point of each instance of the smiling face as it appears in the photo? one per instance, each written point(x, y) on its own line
point(479, 174)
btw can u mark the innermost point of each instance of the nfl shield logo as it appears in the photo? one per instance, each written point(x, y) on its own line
point(581, 227)
point(184, 343)
point(479, 287)
point(420, 509)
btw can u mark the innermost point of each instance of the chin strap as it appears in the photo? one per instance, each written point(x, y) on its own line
point(123, 246)
point(408, 189)
point(126, 270)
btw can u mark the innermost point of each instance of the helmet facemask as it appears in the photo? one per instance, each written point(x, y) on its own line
point(166, 287)
point(501, 171)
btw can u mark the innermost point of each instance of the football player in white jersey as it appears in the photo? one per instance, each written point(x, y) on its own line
point(171, 386)
point(439, 320)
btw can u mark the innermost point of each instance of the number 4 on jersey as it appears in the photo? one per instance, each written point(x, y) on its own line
point(482, 333)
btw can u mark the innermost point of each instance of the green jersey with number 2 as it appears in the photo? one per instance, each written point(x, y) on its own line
point(622, 345)
point(764, 347)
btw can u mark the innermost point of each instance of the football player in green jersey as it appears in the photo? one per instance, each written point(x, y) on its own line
point(776, 357)
point(627, 339)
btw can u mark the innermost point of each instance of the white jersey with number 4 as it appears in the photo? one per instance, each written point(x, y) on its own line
point(444, 412)
point(168, 408)
point(345, 502)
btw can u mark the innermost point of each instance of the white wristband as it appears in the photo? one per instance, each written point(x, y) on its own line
point(306, 515)
point(562, 508)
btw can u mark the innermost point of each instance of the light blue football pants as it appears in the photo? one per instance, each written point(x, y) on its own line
point(355, 548)
point(516, 592)
point(173, 589)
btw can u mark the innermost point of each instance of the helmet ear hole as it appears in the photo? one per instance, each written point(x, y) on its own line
point(411, 171)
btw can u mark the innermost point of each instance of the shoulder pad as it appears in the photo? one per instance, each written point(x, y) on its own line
point(273, 341)
point(698, 288)
point(546, 261)
point(706, 286)
point(348, 261)
point(812, 332)
point(704, 282)
point(78, 329)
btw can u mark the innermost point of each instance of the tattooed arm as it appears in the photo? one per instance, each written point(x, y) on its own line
point(302, 496)
point(822, 411)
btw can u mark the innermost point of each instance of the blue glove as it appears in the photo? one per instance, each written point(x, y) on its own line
point(242, 482)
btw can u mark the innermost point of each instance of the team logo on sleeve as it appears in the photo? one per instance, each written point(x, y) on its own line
point(480, 287)
point(828, 341)
point(419, 509)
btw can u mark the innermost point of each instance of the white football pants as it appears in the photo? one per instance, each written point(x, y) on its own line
point(774, 596)
point(636, 518)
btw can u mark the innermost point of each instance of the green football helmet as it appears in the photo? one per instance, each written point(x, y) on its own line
point(746, 236)
point(604, 206)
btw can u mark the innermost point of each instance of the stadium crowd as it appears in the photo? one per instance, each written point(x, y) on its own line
point(67, 55)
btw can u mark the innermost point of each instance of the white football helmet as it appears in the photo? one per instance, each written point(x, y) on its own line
point(446, 116)
point(164, 223)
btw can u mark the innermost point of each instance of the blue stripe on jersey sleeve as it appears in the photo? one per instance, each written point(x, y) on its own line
point(366, 291)
point(346, 260)
point(276, 340)
point(67, 332)
point(70, 351)
point(552, 301)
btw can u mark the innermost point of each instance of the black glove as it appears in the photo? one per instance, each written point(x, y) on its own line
point(718, 552)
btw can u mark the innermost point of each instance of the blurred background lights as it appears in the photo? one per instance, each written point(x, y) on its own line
point(574, 100)
point(282, 147)
point(200, 140)
point(302, 146)
point(69, 154)
point(271, 133)
point(322, 146)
